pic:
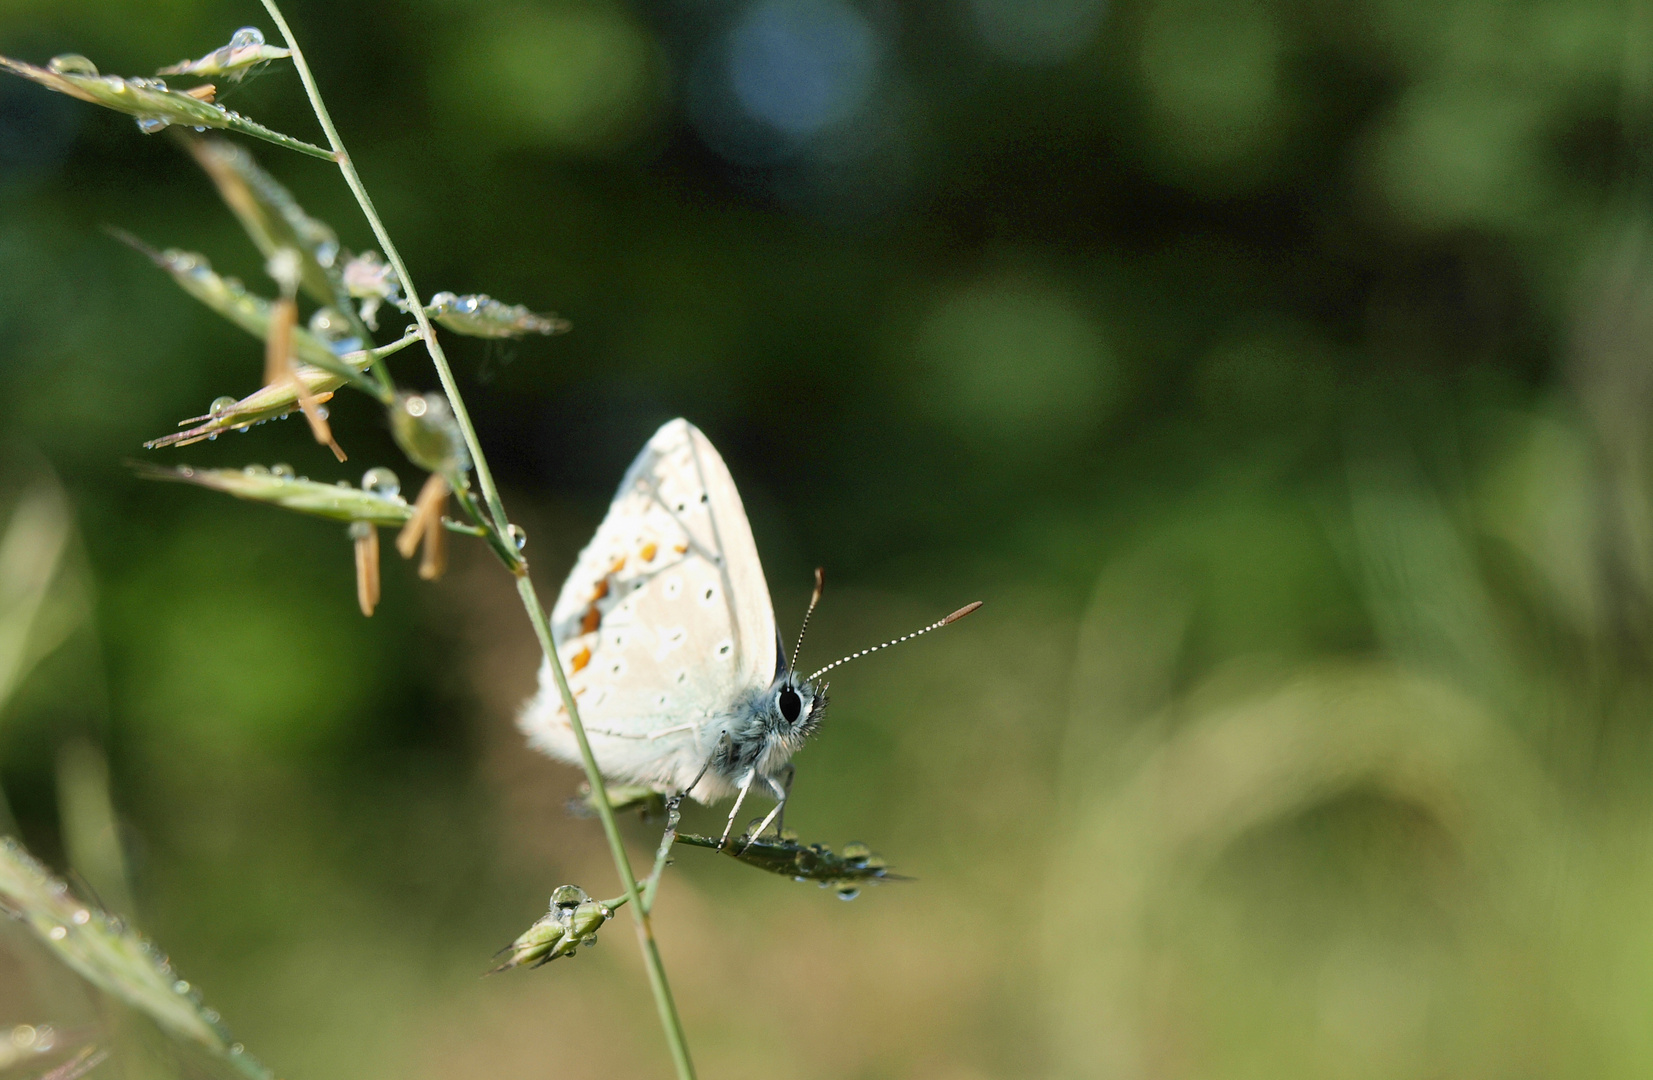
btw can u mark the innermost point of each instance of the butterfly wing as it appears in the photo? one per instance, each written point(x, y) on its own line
point(664, 623)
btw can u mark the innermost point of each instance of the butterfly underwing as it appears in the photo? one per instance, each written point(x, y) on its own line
point(667, 633)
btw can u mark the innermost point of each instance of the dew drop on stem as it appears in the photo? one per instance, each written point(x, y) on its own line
point(72, 64)
point(382, 482)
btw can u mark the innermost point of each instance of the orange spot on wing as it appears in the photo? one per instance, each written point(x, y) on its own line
point(593, 619)
point(649, 551)
point(580, 659)
point(619, 565)
point(680, 548)
point(600, 591)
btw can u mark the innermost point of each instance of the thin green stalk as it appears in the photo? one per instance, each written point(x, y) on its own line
point(640, 914)
point(667, 1008)
point(662, 855)
point(416, 306)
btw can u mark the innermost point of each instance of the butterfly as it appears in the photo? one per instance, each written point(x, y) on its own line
point(667, 634)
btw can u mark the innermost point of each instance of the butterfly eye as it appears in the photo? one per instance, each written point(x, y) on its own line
point(790, 705)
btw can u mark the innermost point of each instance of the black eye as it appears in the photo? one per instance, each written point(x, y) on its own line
point(789, 703)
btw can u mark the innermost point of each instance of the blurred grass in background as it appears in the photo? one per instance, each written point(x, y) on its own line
point(1280, 374)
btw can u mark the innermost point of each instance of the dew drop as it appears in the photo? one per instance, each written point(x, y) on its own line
point(149, 125)
point(72, 64)
point(23, 1036)
point(213, 437)
point(82, 917)
point(221, 405)
point(255, 470)
point(58, 933)
point(282, 470)
point(237, 1049)
point(321, 411)
point(342, 483)
point(856, 850)
point(246, 37)
point(519, 537)
point(180, 987)
point(382, 482)
point(329, 324)
point(848, 892)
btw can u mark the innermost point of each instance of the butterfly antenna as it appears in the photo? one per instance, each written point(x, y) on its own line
point(814, 598)
point(937, 625)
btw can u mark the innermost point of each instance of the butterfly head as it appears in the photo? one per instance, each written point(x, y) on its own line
point(792, 711)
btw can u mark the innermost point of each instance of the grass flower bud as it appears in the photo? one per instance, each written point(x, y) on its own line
point(573, 920)
point(480, 315)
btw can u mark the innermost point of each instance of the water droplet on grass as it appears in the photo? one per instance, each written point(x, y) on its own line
point(72, 64)
point(381, 481)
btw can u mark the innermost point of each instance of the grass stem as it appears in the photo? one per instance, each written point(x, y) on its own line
point(666, 1007)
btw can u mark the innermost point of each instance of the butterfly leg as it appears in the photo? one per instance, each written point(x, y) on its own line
point(781, 788)
point(724, 745)
point(745, 786)
point(785, 792)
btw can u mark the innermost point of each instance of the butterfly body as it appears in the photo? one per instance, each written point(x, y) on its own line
point(667, 633)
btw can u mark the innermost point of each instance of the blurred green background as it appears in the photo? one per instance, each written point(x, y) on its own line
point(1279, 373)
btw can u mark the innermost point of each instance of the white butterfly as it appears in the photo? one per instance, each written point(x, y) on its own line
point(667, 633)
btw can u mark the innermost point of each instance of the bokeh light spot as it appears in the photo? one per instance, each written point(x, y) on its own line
point(801, 65)
point(1036, 32)
point(1017, 359)
point(580, 79)
point(1212, 73)
point(1460, 155)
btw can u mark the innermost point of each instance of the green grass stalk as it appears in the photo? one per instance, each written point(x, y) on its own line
point(667, 1008)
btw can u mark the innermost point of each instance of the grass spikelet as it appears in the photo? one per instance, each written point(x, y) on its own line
point(573, 921)
point(112, 957)
point(150, 101)
point(245, 54)
point(480, 315)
